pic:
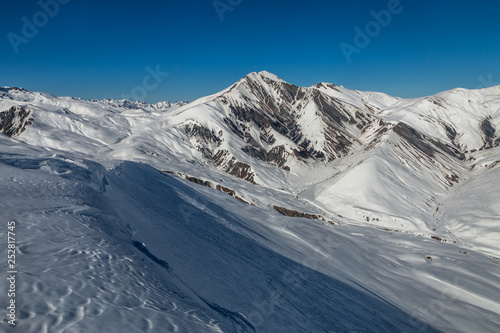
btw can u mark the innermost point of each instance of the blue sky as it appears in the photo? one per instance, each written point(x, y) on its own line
point(100, 49)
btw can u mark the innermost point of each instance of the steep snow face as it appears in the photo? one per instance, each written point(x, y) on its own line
point(471, 210)
point(131, 248)
point(396, 194)
point(396, 184)
point(465, 119)
point(79, 270)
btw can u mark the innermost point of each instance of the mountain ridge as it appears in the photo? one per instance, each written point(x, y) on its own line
point(262, 122)
point(210, 203)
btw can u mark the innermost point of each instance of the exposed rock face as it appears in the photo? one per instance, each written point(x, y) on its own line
point(228, 163)
point(277, 155)
point(207, 136)
point(14, 121)
point(269, 120)
point(207, 183)
point(279, 109)
point(414, 138)
point(204, 139)
point(10, 92)
point(208, 142)
point(231, 192)
point(260, 110)
point(226, 190)
point(198, 181)
point(425, 144)
point(489, 134)
point(294, 213)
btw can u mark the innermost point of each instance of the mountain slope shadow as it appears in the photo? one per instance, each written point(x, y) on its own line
point(225, 263)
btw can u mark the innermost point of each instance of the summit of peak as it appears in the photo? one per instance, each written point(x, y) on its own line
point(265, 74)
point(270, 75)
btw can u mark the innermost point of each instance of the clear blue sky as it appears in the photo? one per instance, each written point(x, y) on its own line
point(100, 49)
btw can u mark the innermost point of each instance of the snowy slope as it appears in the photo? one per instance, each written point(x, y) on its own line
point(471, 211)
point(402, 211)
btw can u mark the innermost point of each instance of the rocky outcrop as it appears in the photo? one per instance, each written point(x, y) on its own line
point(198, 181)
point(190, 178)
point(13, 122)
point(416, 139)
point(231, 192)
point(206, 135)
point(277, 155)
point(489, 134)
point(208, 142)
point(294, 213)
point(229, 164)
point(207, 183)
point(425, 144)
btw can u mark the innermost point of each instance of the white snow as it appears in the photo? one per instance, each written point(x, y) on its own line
point(107, 242)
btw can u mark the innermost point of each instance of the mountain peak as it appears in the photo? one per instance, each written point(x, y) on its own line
point(263, 170)
point(265, 74)
point(270, 75)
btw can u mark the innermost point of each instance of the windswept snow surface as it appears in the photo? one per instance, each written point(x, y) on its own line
point(408, 238)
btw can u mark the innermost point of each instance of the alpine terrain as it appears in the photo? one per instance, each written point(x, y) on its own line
point(266, 207)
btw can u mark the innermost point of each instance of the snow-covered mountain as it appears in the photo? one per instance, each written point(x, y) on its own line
point(20, 94)
point(266, 207)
